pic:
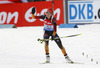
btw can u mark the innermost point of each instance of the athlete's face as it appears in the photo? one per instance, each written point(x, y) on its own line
point(48, 15)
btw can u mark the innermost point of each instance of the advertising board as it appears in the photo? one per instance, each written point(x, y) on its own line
point(20, 14)
point(84, 11)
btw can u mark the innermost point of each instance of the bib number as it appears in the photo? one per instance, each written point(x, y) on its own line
point(48, 27)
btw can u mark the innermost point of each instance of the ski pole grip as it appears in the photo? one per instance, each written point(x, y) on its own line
point(38, 39)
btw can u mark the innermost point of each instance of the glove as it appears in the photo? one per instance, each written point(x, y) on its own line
point(52, 37)
point(33, 10)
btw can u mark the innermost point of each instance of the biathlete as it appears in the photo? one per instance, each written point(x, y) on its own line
point(50, 29)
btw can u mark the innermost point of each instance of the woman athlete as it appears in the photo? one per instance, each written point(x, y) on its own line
point(50, 29)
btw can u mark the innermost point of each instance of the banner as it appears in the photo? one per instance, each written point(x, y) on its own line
point(9, 1)
point(20, 14)
point(84, 11)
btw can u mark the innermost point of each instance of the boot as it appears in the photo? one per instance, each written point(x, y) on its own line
point(47, 58)
point(68, 59)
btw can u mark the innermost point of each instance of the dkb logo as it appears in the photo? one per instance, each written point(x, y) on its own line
point(81, 11)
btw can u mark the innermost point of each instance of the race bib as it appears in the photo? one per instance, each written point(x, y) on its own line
point(48, 27)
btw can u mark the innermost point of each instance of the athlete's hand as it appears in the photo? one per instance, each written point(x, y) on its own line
point(33, 10)
point(52, 37)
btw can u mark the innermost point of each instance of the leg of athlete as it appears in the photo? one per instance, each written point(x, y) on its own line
point(47, 48)
point(59, 43)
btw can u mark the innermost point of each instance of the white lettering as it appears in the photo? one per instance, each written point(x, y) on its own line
point(4, 15)
point(58, 13)
point(28, 15)
point(10, 16)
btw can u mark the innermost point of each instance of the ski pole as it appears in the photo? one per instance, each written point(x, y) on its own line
point(42, 40)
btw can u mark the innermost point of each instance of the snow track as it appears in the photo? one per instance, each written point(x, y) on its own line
point(19, 47)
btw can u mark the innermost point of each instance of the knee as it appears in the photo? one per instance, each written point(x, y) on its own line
point(59, 43)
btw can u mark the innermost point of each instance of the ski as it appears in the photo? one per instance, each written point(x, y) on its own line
point(42, 40)
point(74, 63)
point(45, 63)
point(63, 62)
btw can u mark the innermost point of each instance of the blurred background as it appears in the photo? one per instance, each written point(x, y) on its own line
point(18, 1)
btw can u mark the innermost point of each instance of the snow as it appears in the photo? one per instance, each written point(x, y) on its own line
point(19, 47)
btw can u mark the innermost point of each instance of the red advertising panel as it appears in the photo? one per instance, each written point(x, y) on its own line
point(20, 13)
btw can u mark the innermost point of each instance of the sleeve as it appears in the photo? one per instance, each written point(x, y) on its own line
point(39, 17)
point(54, 26)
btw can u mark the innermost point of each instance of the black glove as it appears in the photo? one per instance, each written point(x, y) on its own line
point(52, 37)
point(33, 10)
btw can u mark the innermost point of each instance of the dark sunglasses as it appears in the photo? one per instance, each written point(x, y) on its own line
point(48, 12)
